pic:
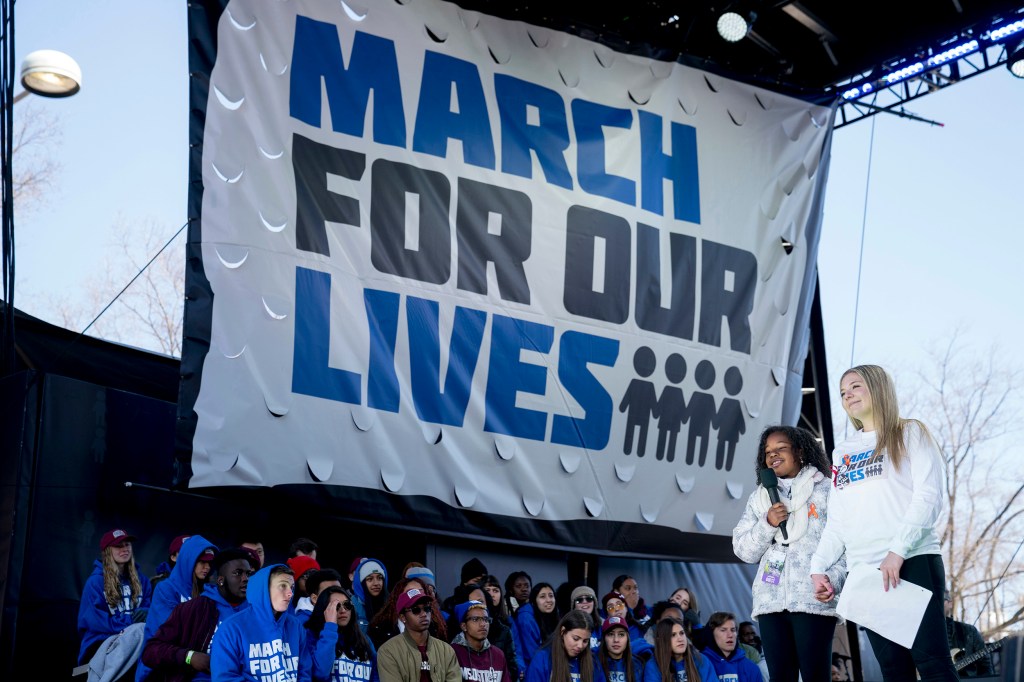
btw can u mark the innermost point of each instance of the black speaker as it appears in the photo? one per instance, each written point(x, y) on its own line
point(1011, 659)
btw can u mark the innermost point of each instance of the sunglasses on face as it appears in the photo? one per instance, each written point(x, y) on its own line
point(347, 605)
point(583, 600)
point(417, 610)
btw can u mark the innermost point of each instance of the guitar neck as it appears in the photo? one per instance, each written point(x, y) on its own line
point(976, 656)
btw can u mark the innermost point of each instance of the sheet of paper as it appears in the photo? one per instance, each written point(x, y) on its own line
point(895, 615)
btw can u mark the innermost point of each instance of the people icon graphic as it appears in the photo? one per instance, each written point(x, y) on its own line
point(671, 408)
point(640, 400)
point(701, 412)
point(729, 420)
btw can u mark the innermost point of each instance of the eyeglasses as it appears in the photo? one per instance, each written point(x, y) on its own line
point(347, 605)
point(583, 600)
point(479, 619)
point(417, 610)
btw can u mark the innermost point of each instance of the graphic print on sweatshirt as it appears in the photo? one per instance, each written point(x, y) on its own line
point(347, 669)
point(125, 605)
point(470, 674)
point(272, 661)
point(861, 467)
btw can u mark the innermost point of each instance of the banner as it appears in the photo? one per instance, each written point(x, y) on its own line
point(503, 269)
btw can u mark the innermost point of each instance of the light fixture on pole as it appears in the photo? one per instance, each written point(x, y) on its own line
point(733, 26)
point(49, 73)
point(1015, 62)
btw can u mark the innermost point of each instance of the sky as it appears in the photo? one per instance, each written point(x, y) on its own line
point(942, 235)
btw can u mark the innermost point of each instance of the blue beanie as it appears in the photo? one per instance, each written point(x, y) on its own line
point(462, 609)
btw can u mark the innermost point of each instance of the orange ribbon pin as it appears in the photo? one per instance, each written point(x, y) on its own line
point(812, 511)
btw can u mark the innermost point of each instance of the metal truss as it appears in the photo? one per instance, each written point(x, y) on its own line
point(864, 97)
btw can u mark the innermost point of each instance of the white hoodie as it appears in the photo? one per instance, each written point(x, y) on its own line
point(875, 509)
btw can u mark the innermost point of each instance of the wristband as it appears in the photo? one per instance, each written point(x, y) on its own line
point(188, 658)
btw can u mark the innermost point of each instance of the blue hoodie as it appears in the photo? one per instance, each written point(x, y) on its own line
point(330, 666)
point(96, 620)
point(617, 669)
point(652, 673)
point(738, 668)
point(359, 594)
point(528, 631)
point(540, 666)
point(224, 608)
point(258, 645)
point(174, 590)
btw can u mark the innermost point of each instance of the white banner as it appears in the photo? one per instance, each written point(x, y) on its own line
point(496, 265)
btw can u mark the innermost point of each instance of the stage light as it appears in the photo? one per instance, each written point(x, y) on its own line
point(1015, 62)
point(50, 73)
point(734, 27)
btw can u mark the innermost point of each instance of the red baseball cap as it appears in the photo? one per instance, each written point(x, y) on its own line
point(115, 537)
point(411, 598)
point(176, 544)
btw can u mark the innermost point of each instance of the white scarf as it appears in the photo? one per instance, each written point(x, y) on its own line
point(802, 489)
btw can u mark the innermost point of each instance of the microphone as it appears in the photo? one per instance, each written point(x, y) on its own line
point(771, 483)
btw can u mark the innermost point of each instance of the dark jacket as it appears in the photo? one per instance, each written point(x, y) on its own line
point(190, 627)
point(500, 635)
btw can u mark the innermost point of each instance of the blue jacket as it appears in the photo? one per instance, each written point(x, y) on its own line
point(96, 620)
point(254, 644)
point(540, 666)
point(528, 632)
point(517, 645)
point(652, 673)
point(174, 590)
point(617, 669)
point(738, 668)
point(328, 666)
point(359, 595)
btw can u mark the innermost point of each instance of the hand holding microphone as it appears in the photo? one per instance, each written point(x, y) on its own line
point(777, 514)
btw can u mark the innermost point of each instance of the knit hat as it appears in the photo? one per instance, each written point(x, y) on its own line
point(355, 564)
point(473, 568)
point(421, 574)
point(608, 597)
point(115, 537)
point(614, 622)
point(583, 591)
point(300, 565)
point(230, 555)
point(461, 610)
point(369, 568)
point(411, 598)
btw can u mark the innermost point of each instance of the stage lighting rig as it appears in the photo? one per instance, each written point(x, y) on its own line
point(1015, 61)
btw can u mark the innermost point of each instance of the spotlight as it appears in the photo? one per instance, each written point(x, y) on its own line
point(1015, 63)
point(734, 27)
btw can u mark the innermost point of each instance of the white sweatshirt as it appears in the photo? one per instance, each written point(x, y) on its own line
point(875, 509)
